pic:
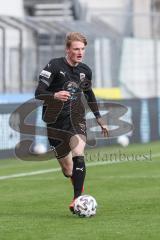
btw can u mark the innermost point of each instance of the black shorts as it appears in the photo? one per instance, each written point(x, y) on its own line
point(60, 132)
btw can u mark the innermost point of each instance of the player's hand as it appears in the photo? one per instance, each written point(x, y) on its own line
point(103, 126)
point(62, 96)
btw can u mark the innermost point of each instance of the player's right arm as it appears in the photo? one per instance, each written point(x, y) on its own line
point(46, 77)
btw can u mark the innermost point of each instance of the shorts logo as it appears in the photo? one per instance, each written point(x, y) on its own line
point(54, 149)
point(82, 76)
point(45, 73)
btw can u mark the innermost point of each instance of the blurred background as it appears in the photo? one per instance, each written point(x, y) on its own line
point(123, 52)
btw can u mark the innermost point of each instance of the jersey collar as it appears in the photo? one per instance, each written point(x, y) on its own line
point(65, 60)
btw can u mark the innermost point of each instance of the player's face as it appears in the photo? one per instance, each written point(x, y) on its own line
point(75, 52)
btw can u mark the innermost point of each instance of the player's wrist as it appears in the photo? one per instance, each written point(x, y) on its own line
point(55, 96)
point(97, 114)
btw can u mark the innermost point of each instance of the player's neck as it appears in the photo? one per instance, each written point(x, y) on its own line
point(69, 61)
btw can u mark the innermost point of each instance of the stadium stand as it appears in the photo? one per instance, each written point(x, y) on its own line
point(137, 69)
point(29, 42)
point(47, 10)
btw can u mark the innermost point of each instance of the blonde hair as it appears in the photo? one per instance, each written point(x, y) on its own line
point(75, 36)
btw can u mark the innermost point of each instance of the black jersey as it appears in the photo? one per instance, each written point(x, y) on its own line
point(59, 75)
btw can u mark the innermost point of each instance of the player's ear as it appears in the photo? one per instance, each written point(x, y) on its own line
point(67, 50)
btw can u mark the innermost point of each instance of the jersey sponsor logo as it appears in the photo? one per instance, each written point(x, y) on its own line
point(45, 73)
point(82, 76)
point(63, 73)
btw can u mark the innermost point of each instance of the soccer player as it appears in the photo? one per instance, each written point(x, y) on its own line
point(62, 83)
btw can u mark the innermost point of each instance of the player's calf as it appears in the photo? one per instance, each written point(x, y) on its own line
point(78, 175)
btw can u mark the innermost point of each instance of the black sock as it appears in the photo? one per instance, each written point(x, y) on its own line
point(78, 176)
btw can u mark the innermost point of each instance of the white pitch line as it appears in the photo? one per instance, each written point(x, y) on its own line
point(48, 171)
point(59, 169)
point(52, 170)
point(29, 173)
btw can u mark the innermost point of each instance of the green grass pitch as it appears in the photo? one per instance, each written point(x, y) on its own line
point(128, 194)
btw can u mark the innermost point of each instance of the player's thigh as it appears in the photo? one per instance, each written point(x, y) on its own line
point(77, 144)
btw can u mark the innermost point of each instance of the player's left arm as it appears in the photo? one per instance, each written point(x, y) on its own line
point(92, 102)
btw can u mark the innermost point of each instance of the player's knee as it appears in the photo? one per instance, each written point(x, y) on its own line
point(78, 152)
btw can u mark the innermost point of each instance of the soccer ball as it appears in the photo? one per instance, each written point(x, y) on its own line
point(123, 140)
point(39, 149)
point(85, 206)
